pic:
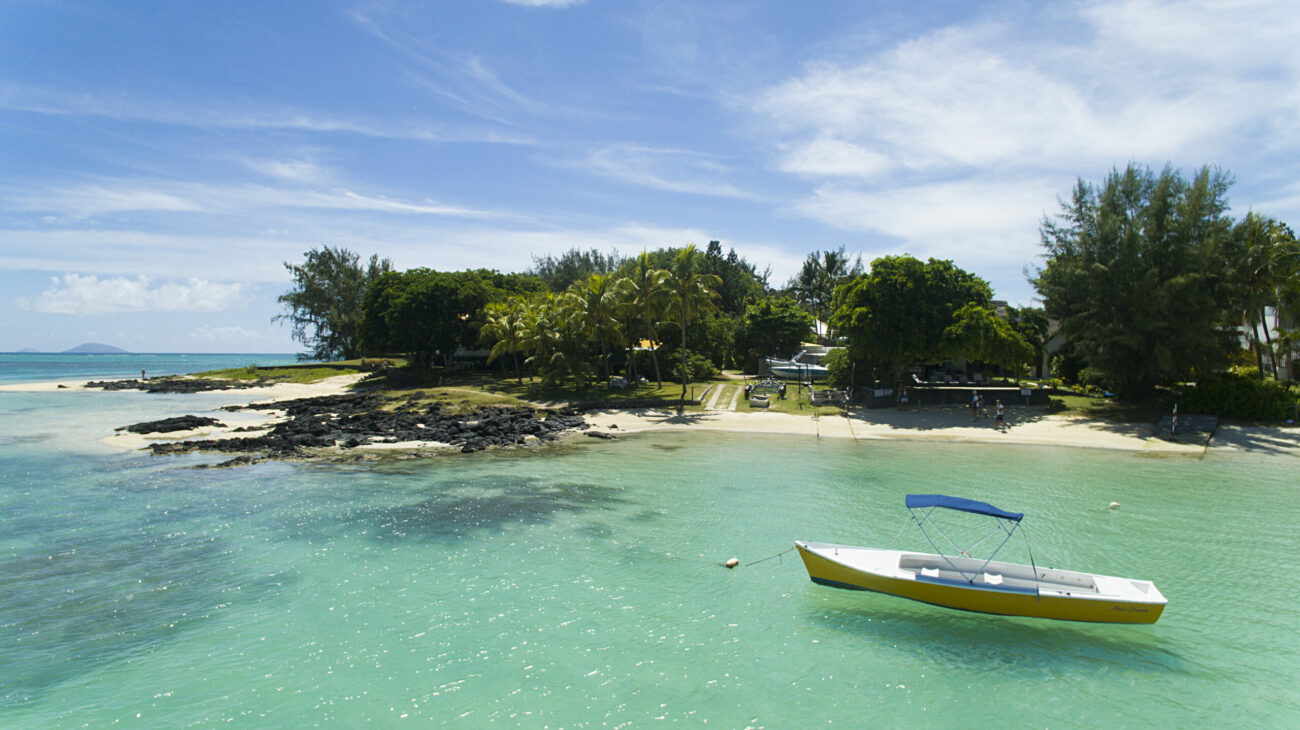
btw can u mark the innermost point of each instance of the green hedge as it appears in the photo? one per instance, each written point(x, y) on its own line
point(1232, 395)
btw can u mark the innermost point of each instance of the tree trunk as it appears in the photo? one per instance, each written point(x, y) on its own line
point(1272, 356)
point(1259, 356)
point(604, 362)
point(682, 322)
point(654, 356)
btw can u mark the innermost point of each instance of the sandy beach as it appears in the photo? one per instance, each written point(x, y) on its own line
point(1029, 426)
point(938, 424)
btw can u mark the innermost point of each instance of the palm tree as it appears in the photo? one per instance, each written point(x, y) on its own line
point(598, 300)
point(822, 271)
point(540, 336)
point(689, 293)
point(1267, 264)
point(504, 328)
point(648, 296)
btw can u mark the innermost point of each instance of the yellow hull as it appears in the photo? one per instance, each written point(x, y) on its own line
point(983, 599)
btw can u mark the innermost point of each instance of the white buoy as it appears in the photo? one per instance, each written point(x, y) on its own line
point(1113, 505)
point(733, 562)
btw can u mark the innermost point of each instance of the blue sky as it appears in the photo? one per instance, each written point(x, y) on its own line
point(160, 161)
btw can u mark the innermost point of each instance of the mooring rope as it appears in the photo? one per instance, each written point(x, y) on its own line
point(764, 560)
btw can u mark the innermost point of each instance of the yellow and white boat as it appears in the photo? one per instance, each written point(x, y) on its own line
point(982, 585)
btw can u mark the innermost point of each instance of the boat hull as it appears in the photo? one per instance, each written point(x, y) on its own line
point(882, 575)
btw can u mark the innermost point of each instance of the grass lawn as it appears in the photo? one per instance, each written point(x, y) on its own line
point(1108, 409)
point(536, 391)
point(304, 374)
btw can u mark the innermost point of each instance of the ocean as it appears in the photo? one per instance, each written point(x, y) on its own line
point(581, 584)
point(35, 367)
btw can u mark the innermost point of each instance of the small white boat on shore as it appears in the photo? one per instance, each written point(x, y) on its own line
point(805, 366)
point(981, 585)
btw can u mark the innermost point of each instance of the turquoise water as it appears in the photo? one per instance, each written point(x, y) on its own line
point(581, 585)
point(35, 367)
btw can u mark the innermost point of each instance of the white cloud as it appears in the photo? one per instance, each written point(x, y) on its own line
point(546, 3)
point(207, 333)
point(991, 219)
point(829, 157)
point(138, 196)
point(955, 143)
point(299, 171)
point(88, 294)
point(673, 170)
point(239, 116)
point(1150, 80)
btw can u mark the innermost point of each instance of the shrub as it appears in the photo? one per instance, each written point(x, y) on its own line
point(1232, 395)
point(698, 367)
point(1091, 378)
point(840, 369)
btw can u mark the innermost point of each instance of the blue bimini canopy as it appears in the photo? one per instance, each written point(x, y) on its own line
point(915, 501)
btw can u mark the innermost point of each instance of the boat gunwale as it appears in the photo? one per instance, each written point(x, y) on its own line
point(1151, 597)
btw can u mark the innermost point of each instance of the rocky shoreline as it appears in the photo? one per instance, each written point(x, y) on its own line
point(352, 421)
point(172, 384)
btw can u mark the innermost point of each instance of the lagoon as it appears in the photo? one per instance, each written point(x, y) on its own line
point(581, 585)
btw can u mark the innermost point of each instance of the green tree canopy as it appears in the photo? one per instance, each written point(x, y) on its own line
point(575, 265)
point(772, 326)
point(1263, 257)
point(1135, 275)
point(822, 272)
point(897, 314)
point(688, 293)
point(324, 304)
point(978, 333)
point(428, 313)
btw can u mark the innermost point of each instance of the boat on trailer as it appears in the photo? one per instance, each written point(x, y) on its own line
point(805, 366)
point(981, 585)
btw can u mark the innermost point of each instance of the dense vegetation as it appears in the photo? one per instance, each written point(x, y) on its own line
point(1146, 280)
point(1153, 284)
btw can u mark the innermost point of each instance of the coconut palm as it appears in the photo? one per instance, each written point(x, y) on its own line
point(1267, 266)
point(648, 297)
point(689, 293)
point(504, 328)
point(597, 299)
point(822, 271)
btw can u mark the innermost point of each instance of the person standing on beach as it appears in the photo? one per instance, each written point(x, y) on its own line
point(974, 406)
point(1000, 422)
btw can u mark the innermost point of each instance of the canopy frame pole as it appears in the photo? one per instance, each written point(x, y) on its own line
point(921, 524)
point(970, 578)
point(1012, 531)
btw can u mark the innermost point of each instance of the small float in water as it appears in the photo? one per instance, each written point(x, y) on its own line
point(981, 585)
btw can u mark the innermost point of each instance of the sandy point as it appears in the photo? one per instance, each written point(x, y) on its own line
point(1027, 427)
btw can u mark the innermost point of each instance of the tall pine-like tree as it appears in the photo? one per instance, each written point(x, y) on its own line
point(1135, 275)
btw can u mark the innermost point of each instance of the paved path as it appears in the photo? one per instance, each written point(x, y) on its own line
point(724, 397)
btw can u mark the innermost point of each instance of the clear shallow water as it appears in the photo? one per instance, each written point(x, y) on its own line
point(35, 367)
point(582, 587)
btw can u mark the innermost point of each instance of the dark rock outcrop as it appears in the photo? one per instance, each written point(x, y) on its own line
point(169, 425)
point(356, 419)
point(175, 385)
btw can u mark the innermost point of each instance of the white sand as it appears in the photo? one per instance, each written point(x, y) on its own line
point(1027, 425)
point(260, 419)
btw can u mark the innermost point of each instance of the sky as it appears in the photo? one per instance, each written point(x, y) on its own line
point(160, 162)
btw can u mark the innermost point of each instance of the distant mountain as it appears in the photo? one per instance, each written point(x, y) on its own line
point(29, 351)
point(94, 348)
